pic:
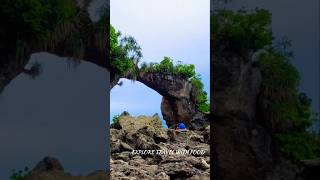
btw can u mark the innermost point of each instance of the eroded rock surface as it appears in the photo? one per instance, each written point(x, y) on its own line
point(147, 133)
point(243, 142)
point(178, 102)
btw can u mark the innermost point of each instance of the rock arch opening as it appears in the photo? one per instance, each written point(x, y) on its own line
point(135, 98)
point(60, 113)
point(178, 103)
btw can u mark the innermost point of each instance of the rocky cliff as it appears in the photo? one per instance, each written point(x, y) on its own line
point(178, 99)
point(147, 133)
point(243, 140)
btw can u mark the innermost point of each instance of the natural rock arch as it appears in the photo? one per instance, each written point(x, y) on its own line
point(178, 103)
point(15, 53)
point(178, 98)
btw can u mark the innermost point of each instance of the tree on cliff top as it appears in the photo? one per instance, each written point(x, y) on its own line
point(125, 55)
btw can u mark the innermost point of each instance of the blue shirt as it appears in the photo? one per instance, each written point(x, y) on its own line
point(181, 126)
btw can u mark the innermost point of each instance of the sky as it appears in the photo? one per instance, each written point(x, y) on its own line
point(179, 29)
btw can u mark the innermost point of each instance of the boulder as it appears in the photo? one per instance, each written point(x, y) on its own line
point(142, 131)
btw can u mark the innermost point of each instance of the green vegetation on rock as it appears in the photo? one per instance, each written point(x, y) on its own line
point(300, 145)
point(245, 30)
point(287, 110)
point(288, 106)
point(36, 18)
point(167, 66)
point(47, 25)
point(126, 53)
point(115, 119)
point(187, 71)
point(19, 175)
point(200, 94)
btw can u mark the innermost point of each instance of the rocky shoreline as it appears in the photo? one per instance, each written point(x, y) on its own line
point(147, 133)
point(141, 148)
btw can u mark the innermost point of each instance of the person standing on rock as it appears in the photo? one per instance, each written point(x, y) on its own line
point(181, 129)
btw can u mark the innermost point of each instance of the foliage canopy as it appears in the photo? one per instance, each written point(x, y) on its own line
point(186, 71)
point(37, 18)
point(280, 86)
point(125, 52)
point(245, 30)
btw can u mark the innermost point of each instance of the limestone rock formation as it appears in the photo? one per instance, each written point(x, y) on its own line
point(236, 86)
point(178, 102)
point(147, 133)
point(243, 144)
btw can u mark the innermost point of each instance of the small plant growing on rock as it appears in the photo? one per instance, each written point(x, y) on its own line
point(19, 175)
point(115, 119)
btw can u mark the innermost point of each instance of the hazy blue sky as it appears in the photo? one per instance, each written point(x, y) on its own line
point(175, 28)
